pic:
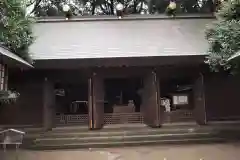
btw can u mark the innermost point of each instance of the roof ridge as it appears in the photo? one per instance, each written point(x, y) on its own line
point(125, 18)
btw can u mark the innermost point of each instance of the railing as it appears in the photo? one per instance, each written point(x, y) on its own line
point(123, 118)
point(224, 118)
point(75, 105)
point(178, 116)
point(80, 119)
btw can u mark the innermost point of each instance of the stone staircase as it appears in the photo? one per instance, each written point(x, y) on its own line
point(128, 135)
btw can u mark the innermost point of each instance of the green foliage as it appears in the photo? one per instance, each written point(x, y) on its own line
point(224, 36)
point(15, 28)
point(230, 10)
point(106, 7)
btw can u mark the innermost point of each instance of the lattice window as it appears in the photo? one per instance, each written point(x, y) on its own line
point(178, 116)
point(81, 119)
point(3, 77)
point(123, 118)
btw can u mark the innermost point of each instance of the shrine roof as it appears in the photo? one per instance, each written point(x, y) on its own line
point(112, 38)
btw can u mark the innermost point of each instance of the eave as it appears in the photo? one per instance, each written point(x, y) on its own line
point(12, 60)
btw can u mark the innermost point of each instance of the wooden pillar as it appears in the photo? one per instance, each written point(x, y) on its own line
point(6, 78)
point(97, 101)
point(151, 100)
point(48, 104)
point(199, 101)
point(90, 104)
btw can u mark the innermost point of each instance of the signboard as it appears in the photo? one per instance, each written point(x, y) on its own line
point(180, 99)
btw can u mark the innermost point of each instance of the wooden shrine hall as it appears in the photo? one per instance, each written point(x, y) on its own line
point(95, 73)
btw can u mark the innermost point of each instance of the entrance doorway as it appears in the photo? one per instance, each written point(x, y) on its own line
point(126, 99)
point(123, 100)
point(71, 103)
point(177, 99)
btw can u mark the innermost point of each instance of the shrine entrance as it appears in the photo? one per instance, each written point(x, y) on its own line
point(71, 100)
point(177, 99)
point(125, 96)
point(182, 96)
point(123, 100)
point(130, 97)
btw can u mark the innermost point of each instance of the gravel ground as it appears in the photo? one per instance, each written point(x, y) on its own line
point(166, 152)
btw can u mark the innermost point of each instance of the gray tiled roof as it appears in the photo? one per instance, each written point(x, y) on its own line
point(132, 38)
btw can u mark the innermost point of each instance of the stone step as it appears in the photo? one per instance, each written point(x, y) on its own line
point(125, 143)
point(121, 127)
point(69, 140)
point(77, 138)
point(106, 127)
point(102, 133)
point(137, 127)
point(107, 131)
point(73, 132)
point(118, 140)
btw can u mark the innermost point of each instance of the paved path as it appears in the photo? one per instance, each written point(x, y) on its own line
point(172, 152)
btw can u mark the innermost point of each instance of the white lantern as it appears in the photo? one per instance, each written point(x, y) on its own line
point(66, 8)
point(119, 7)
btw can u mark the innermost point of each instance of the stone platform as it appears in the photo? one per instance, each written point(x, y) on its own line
point(72, 137)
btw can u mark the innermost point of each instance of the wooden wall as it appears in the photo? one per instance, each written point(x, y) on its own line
point(222, 97)
point(28, 110)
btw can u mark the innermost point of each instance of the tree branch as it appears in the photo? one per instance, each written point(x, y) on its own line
point(37, 3)
point(30, 3)
point(104, 11)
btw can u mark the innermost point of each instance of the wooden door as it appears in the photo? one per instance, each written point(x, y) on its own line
point(98, 101)
point(151, 100)
point(199, 101)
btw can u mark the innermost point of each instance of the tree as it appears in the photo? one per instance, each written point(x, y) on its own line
point(41, 8)
point(224, 36)
point(83, 7)
point(15, 34)
point(15, 27)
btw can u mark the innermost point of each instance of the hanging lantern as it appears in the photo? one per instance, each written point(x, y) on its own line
point(119, 9)
point(171, 8)
point(66, 10)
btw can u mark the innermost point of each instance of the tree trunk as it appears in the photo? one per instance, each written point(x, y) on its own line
point(135, 6)
point(93, 7)
point(112, 7)
point(141, 7)
point(150, 6)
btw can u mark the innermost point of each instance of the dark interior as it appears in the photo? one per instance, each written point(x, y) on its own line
point(118, 91)
point(177, 86)
point(74, 94)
